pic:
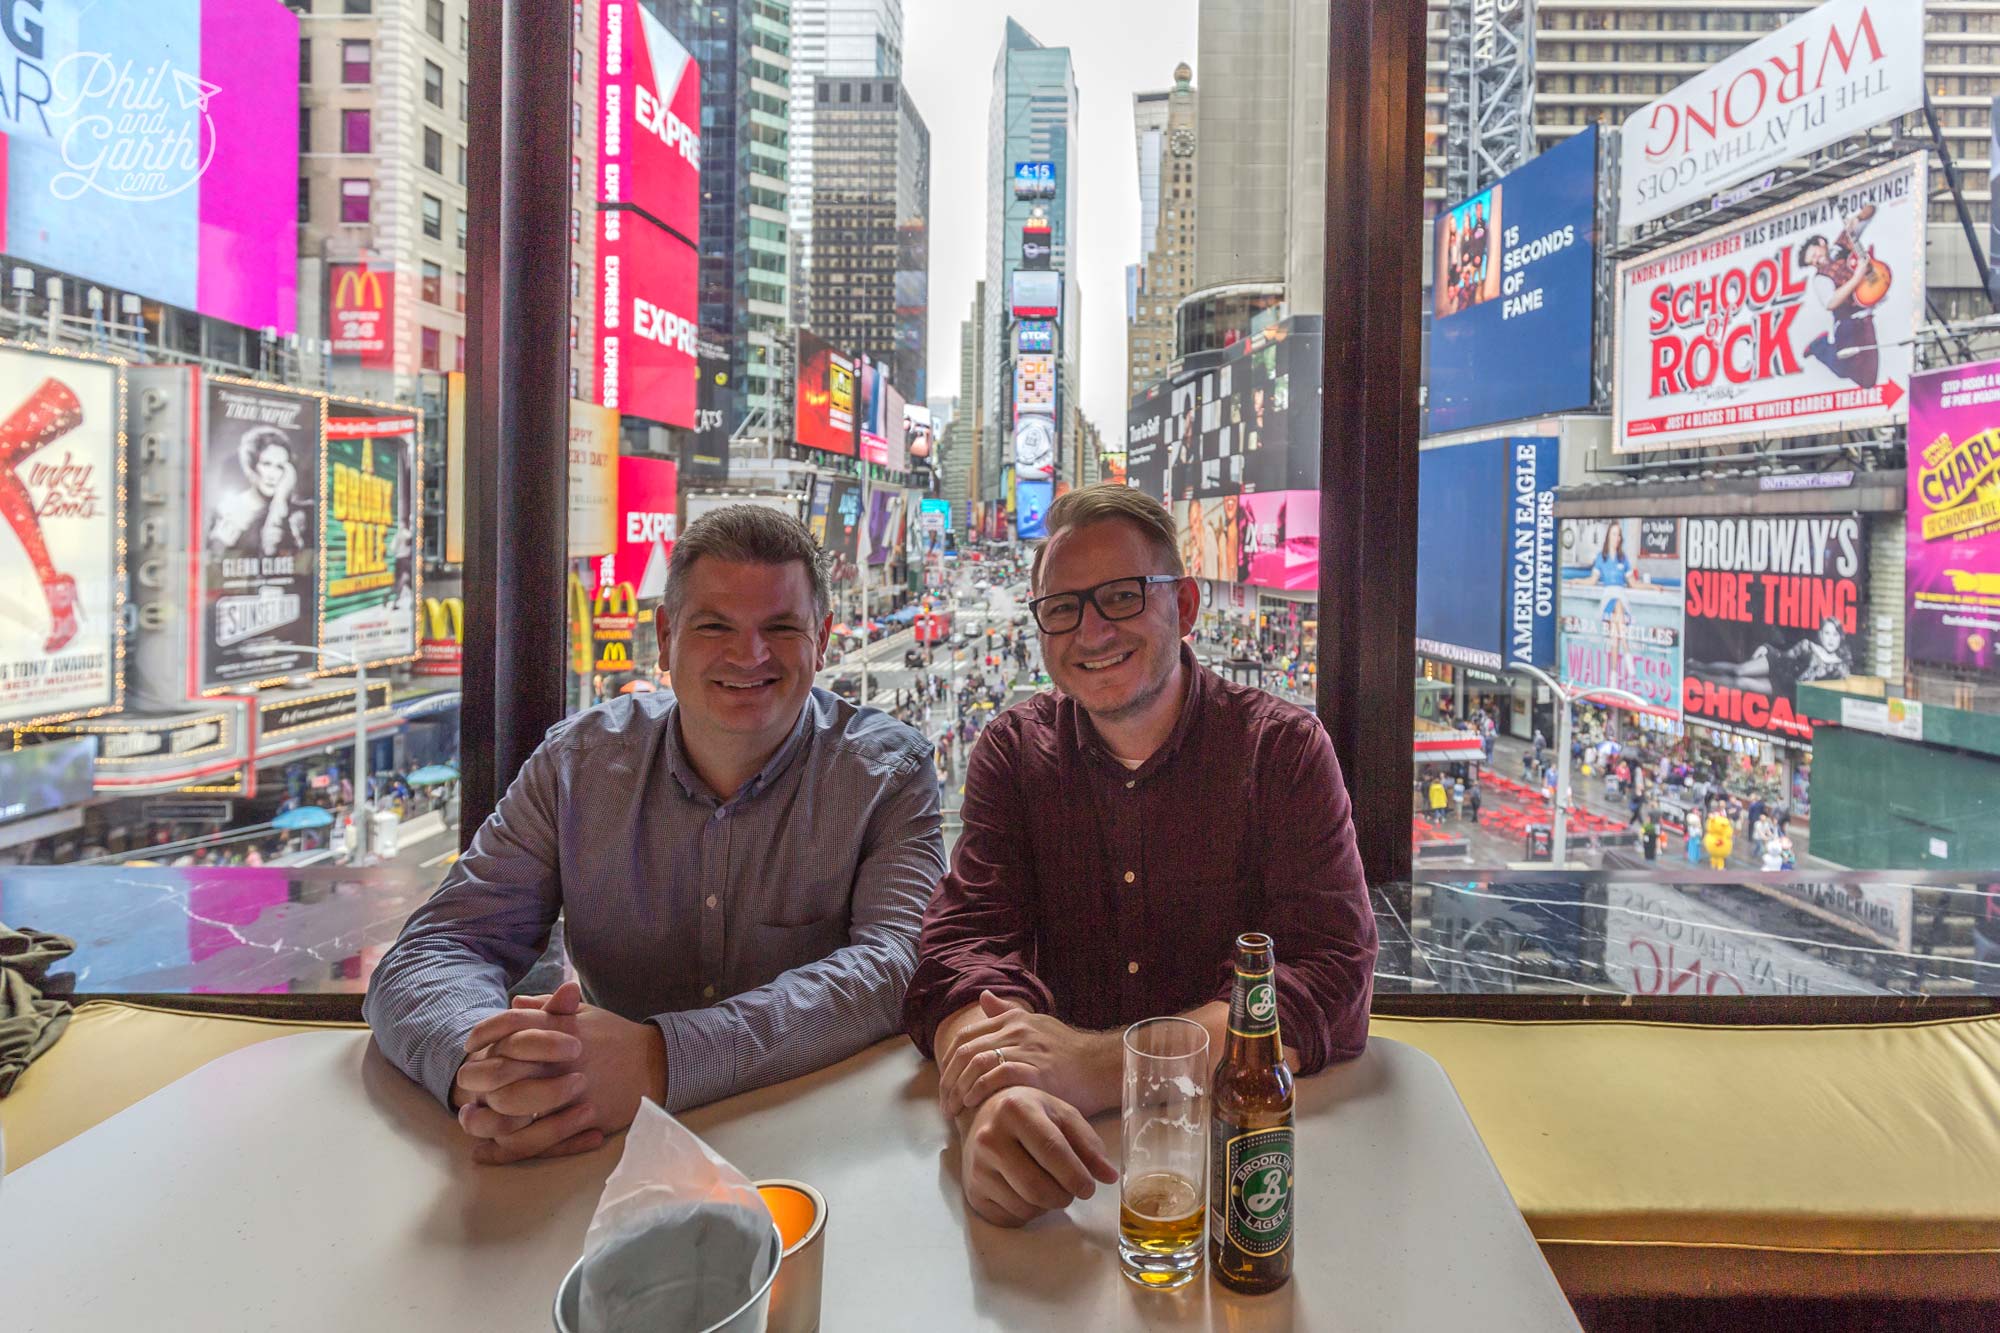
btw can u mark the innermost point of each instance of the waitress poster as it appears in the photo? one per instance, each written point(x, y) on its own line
point(1952, 581)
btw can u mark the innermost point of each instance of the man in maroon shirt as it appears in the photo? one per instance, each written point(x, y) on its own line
point(1119, 835)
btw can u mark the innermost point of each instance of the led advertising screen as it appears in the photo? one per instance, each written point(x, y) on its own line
point(361, 315)
point(1211, 537)
point(1801, 318)
point(257, 500)
point(51, 776)
point(1621, 616)
point(593, 480)
point(647, 339)
point(1513, 292)
point(1034, 180)
point(1037, 295)
point(1145, 442)
point(1837, 70)
point(1037, 246)
point(1035, 448)
point(885, 525)
point(1031, 509)
point(881, 418)
point(648, 491)
point(1035, 384)
point(824, 413)
point(1035, 335)
point(649, 115)
point(917, 442)
point(372, 533)
point(843, 520)
point(154, 148)
point(705, 453)
point(1772, 603)
point(1461, 535)
point(61, 493)
point(1279, 531)
point(1952, 572)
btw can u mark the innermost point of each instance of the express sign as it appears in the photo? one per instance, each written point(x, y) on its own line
point(649, 113)
point(646, 336)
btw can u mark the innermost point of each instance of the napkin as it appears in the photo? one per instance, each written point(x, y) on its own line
point(680, 1238)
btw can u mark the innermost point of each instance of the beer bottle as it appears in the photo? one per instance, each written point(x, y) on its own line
point(1250, 1134)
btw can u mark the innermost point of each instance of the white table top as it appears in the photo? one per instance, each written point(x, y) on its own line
point(303, 1183)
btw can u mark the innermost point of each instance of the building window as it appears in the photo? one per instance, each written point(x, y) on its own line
point(458, 354)
point(356, 61)
point(458, 290)
point(464, 33)
point(462, 180)
point(575, 66)
point(355, 197)
point(576, 175)
point(464, 101)
point(574, 390)
point(434, 83)
point(461, 229)
point(356, 134)
point(357, 6)
point(432, 283)
point(305, 129)
point(576, 120)
point(305, 60)
point(433, 151)
point(575, 281)
point(433, 217)
point(305, 199)
point(434, 18)
point(576, 226)
point(432, 341)
point(575, 331)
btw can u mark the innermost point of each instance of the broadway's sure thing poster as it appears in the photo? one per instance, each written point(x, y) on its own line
point(371, 533)
point(1952, 573)
point(258, 503)
point(1772, 603)
point(1622, 617)
point(59, 503)
point(1801, 318)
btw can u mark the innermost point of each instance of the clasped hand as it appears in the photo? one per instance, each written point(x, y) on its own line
point(1010, 1046)
point(551, 1076)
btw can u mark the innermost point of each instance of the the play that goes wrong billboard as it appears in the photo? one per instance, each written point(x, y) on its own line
point(151, 146)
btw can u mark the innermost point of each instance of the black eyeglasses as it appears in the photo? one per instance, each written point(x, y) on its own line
point(1115, 599)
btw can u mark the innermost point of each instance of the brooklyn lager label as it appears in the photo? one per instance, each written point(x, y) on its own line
point(1257, 1175)
point(1253, 1008)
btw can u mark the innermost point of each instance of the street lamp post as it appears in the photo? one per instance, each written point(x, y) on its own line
point(1566, 700)
point(358, 847)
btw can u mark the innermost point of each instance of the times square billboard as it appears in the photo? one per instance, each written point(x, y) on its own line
point(1800, 319)
point(1513, 294)
point(153, 148)
point(1243, 421)
point(649, 105)
point(648, 341)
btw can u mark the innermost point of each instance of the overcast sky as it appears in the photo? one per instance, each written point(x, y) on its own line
point(1117, 48)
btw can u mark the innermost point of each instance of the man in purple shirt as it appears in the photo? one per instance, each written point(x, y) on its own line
point(1119, 835)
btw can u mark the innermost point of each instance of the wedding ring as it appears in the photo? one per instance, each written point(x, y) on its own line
point(1001, 1051)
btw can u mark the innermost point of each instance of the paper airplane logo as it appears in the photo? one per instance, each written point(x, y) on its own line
point(194, 92)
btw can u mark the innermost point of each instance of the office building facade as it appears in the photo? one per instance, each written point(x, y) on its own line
point(1167, 141)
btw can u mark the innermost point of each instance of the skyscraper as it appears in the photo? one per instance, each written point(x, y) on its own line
point(870, 220)
point(744, 48)
point(1031, 176)
point(859, 39)
point(1166, 138)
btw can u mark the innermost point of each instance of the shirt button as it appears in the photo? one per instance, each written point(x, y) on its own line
point(1129, 877)
point(1130, 785)
point(708, 992)
point(711, 900)
point(1131, 967)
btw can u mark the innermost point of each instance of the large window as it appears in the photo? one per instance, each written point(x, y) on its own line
point(356, 61)
point(356, 130)
point(433, 211)
point(356, 197)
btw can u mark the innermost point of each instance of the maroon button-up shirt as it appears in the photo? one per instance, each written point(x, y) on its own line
point(1104, 895)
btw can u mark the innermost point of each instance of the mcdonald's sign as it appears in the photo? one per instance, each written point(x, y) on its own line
point(441, 650)
point(361, 314)
point(613, 616)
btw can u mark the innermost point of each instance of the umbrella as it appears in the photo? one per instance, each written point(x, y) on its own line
point(433, 775)
point(304, 817)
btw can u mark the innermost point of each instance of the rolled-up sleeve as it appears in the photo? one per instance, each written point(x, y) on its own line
point(812, 1016)
point(976, 934)
point(479, 933)
point(1316, 899)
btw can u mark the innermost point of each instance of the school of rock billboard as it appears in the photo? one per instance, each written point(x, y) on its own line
point(1801, 318)
point(1952, 571)
point(61, 494)
point(372, 537)
point(1622, 620)
point(257, 502)
point(1772, 603)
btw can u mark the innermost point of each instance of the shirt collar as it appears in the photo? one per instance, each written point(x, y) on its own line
point(1194, 691)
point(697, 788)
